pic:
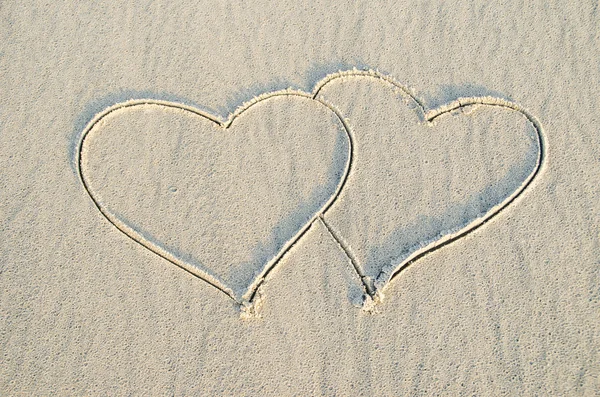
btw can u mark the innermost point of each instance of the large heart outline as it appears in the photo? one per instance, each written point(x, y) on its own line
point(246, 301)
point(374, 287)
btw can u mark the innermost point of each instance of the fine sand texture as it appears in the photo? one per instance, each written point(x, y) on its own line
point(300, 199)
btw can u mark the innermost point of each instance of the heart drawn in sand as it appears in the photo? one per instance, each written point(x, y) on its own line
point(421, 179)
point(222, 199)
point(390, 180)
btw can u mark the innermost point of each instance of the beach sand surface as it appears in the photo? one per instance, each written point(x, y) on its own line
point(426, 223)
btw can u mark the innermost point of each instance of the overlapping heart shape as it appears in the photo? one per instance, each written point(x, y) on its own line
point(225, 200)
point(422, 179)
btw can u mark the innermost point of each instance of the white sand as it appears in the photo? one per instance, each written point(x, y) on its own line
point(284, 203)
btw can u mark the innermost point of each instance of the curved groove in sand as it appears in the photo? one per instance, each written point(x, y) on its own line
point(249, 295)
point(429, 116)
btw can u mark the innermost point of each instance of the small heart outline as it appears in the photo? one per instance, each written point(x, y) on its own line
point(374, 288)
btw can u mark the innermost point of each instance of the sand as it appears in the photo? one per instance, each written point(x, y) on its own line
point(299, 199)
